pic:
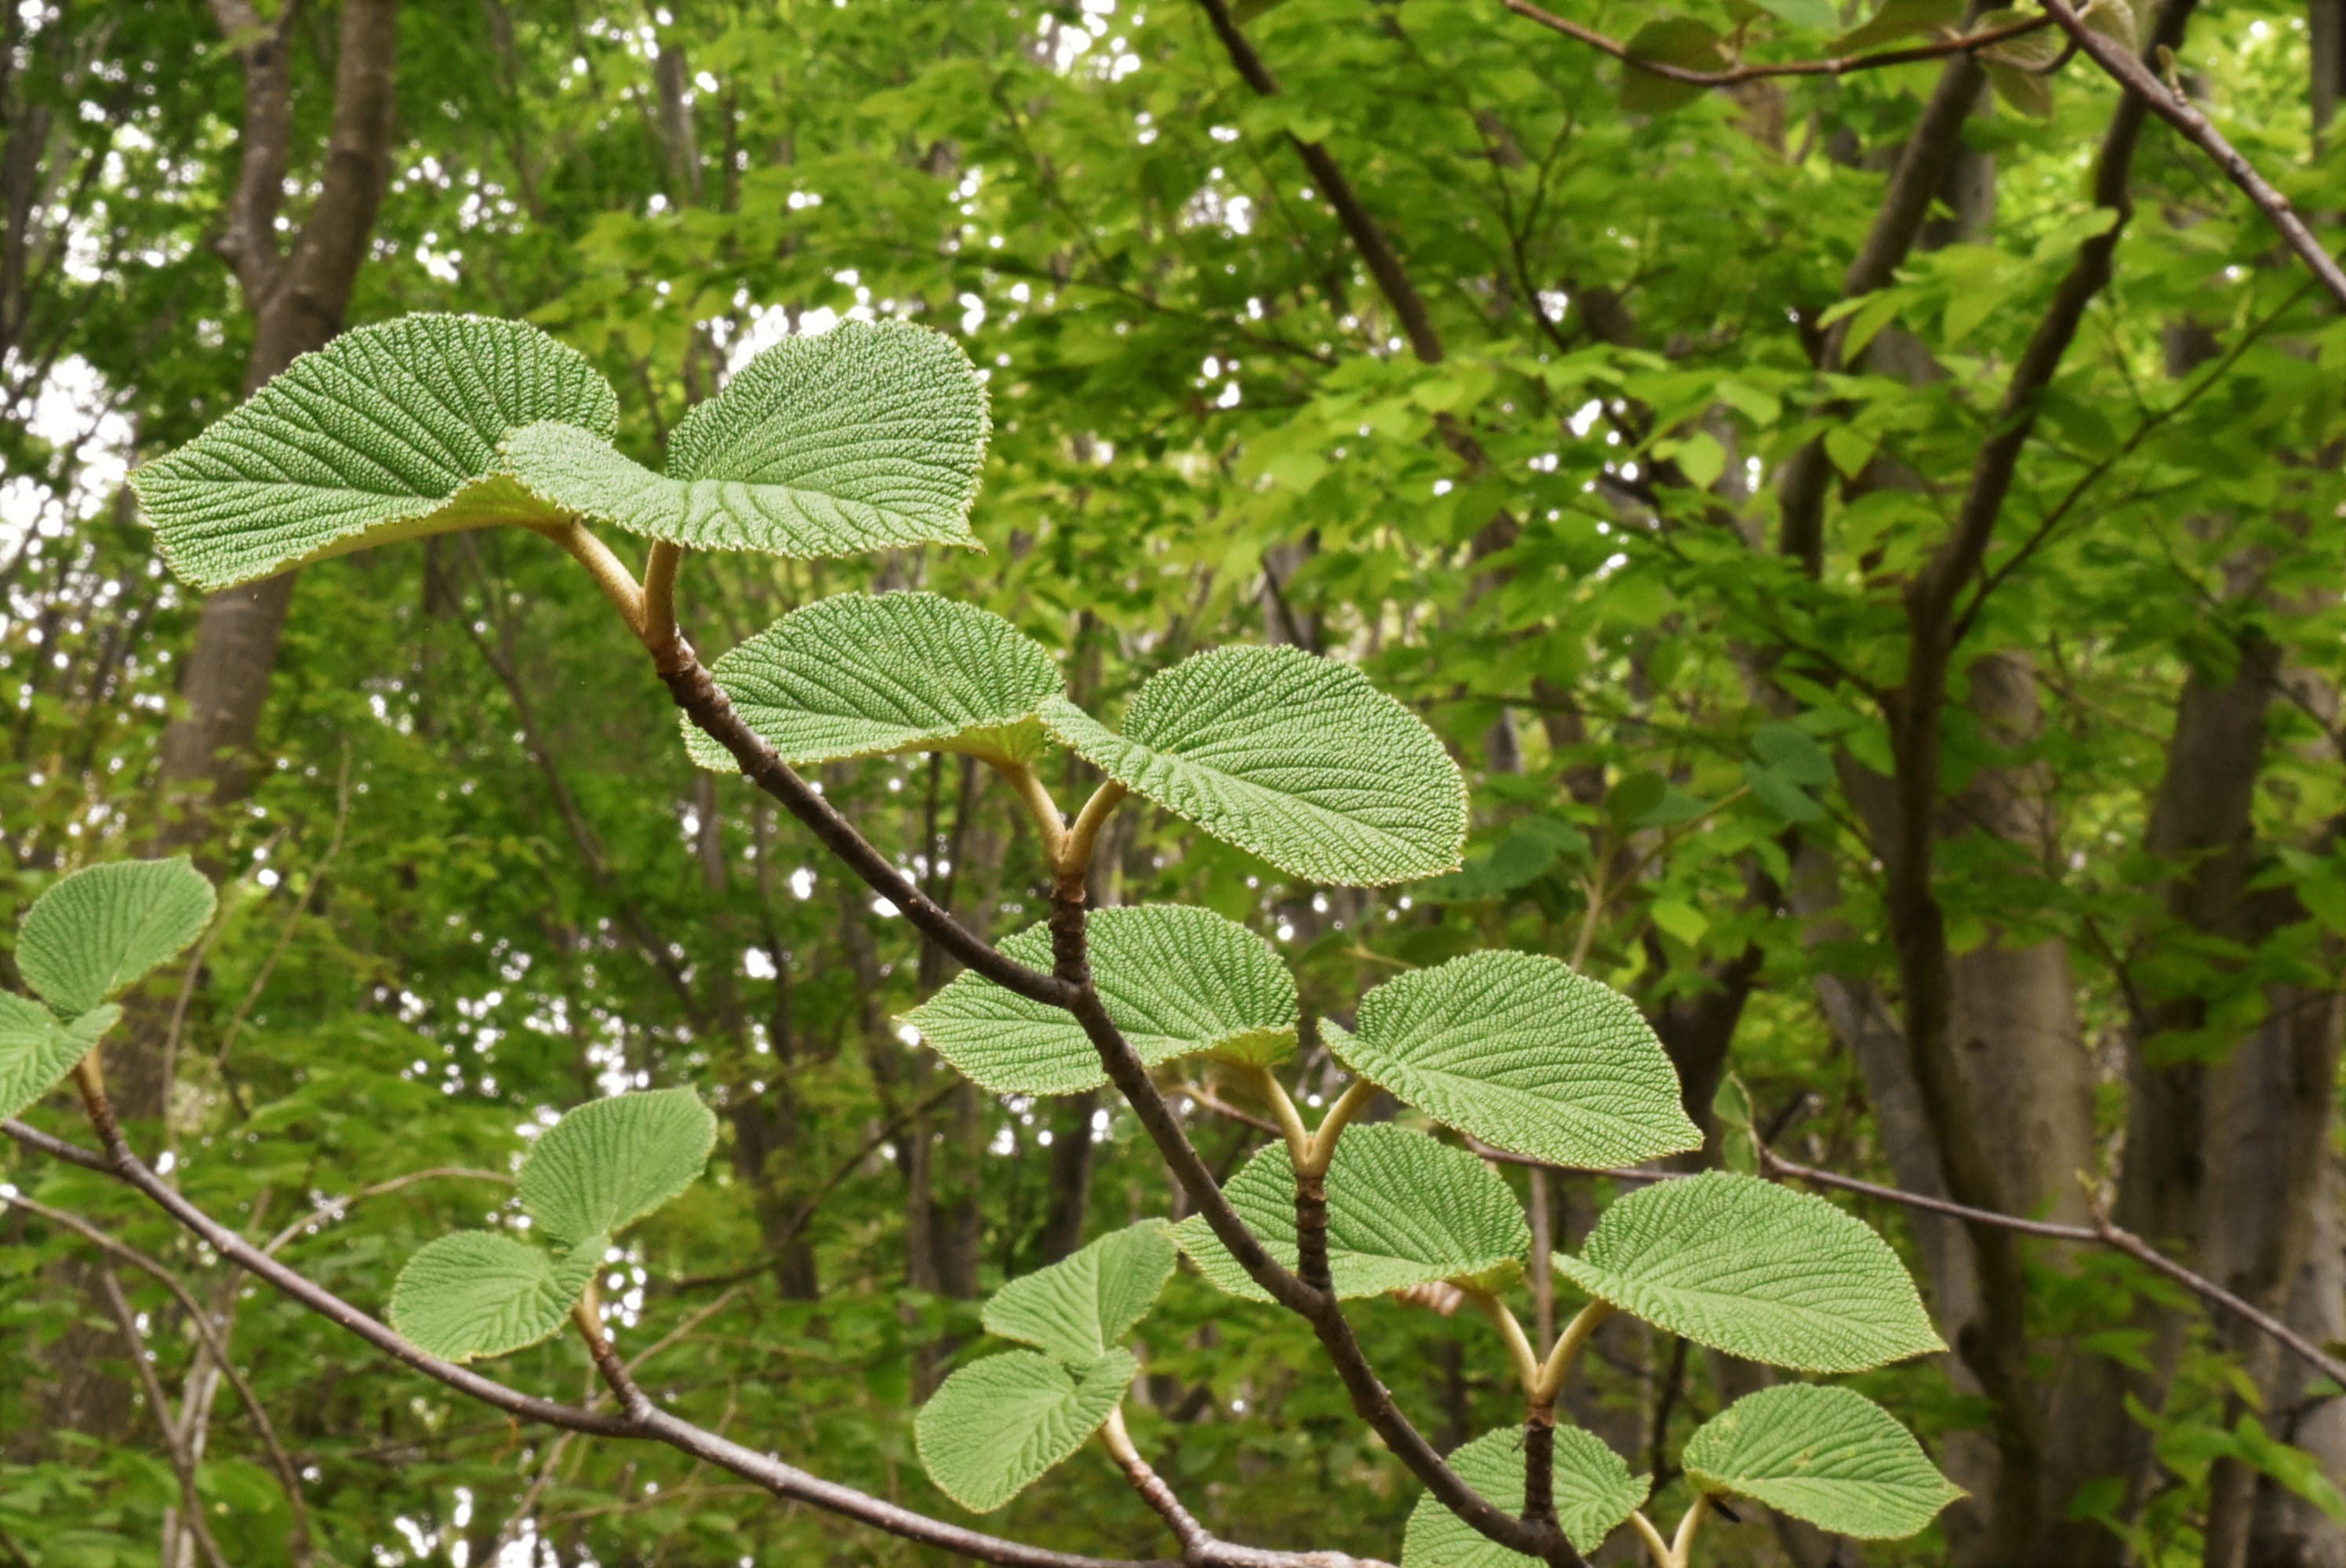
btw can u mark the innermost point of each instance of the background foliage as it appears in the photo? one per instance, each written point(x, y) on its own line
point(476, 879)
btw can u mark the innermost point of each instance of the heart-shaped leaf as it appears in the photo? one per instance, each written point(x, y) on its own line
point(36, 1049)
point(1525, 1054)
point(1177, 980)
point(1079, 1306)
point(1757, 1270)
point(1294, 759)
point(863, 438)
point(387, 432)
point(1594, 1493)
point(611, 1162)
point(863, 674)
point(1825, 1454)
point(1403, 1210)
point(99, 930)
point(476, 1293)
point(997, 1427)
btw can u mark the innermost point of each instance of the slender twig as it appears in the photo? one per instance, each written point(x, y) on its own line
point(175, 1444)
point(2178, 110)
point(1557, 1369)
point(712, 711)
point(1357, 1097)
point(289, 1479)
point(1084, 831)
point(610, 574)
point(2103, 1231)
point(1049, 821)
point(1841, 65)
point(660, 591)
point(1152, 1486)
point(1511, 1331)
point(1286, 1118)
point(336, 1208)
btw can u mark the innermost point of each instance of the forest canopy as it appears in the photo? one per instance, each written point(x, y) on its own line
point(1415, 782)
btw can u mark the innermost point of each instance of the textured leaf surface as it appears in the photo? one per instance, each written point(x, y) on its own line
point(100, 929)
point(611, 1162)
point(1079, 1306)
point(1522, 1052)
point(36, 1049)
point(1594, 1493)
point(1294, 759)
point(862, 438)
point(996, 1426)
point(863, 674)
point(1177, 979)
point(386, 432)
point(1757, 1270)
point(477, 1293)
point(1403, 1210)
point(1825, 1454)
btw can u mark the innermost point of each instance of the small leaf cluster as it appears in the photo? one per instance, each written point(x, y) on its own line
point(596, 1171)
point(89, 938)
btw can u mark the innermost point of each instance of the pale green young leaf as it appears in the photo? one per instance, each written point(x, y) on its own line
point(387, 432)
point(37, 1049)
point(611, 1162)
point(1828, 1455)
point(1757, 1270)
point(477, 1293)
point(1079, 1306)
point(863, 674)
point(1177, 980)
point(1522, 1052)
point(100, 929)
point(1594, 1493)
point(1295, 759)
point(863, 438)
point(1403, 1210)
point(998, 1425)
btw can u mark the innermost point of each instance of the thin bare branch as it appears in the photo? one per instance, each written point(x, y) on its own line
point(1837, 65)
point(175, 1441)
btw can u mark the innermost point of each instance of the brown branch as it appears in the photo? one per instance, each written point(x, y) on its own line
point(699, 694)
point(1376, 250)
point(2143, 86)
point(1839, 66)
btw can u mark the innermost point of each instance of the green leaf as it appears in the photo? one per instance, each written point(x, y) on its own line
point(1177, 980)
point(863, 674)
point(1817, 13)
point(1757, 1270)
point(1673, 41)
point(387, 432)
point(1792, 753)
point(998, 1426)
point(479, 1293)
point(1776, 790)
point(1828, 1455)
point(863, 438)
point(1524, 1053)
point(36, 1050)
point(1898, 19)
point(1295, 759)
point(2021, 89)
point(1078, 1307)
point(1594, 1493)
point(1403, 1210)
point(100, 929)
point(611, 1162)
